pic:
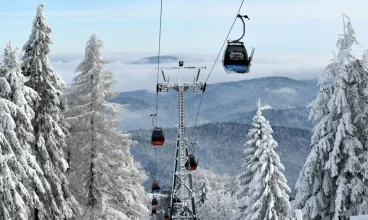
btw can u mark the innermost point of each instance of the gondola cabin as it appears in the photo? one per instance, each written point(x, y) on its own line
point(192, 163)
point(154, 202)
point(154, 211)
point(155, 187)
point(236, 58)
point(166, 216)
point(158, 138)
point(176, 200)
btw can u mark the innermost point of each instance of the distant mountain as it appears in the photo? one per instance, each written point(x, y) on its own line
point(229, 101)
point(154, 60)
point(220, 149)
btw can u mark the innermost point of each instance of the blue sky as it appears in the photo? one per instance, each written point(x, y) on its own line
point(295, 35)
point(276, 27)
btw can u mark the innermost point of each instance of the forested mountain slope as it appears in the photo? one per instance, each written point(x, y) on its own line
point(220, 147)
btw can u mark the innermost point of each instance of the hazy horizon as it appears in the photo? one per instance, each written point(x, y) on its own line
point(132, 77)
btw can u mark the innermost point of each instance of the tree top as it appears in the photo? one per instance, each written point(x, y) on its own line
point(347, 39)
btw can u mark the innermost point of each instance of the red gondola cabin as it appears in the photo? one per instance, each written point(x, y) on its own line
point(154, 202)
point(154, 211)
point(166, 216)
point(158, 138)
point(193, 163)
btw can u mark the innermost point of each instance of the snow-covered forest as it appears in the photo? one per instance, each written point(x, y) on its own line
point(64, 156)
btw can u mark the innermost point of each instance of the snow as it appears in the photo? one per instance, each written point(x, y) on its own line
point(335, 167)
point(108, 182)
point(216, 195)
point(55, 200)
point(41, 152)
point(262, 187)
point(298, 214)
point(359, 217)
point(16, 131)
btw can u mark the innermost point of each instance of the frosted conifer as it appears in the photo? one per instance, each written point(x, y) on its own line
point(13, 194)
point(262, 186)
point(49, 125)
point(333, 183)
point(102, 173)
point(215, 195)
point(20, 136)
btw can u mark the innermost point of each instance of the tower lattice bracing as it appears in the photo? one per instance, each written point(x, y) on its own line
point(182, 204)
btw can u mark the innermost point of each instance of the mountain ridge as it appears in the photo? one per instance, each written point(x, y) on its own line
point(225, 101)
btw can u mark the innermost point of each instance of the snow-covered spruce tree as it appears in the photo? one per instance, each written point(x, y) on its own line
point(333, 182)
point(363, 118)
point(245, 177)
point(215, 195)
point(102, 173)
point(20, 137)
point(263, 188)
point(49, 125)
point(12, 192)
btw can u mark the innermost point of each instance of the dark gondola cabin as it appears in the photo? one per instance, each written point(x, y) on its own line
point(166, 216)
point(155, 187)
point(154, 211)
point(158, 138)
point(154, 202)
point(192, 162)
point(236, 58)
point(176, 200)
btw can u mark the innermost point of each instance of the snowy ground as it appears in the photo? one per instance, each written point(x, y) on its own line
point(359, 217)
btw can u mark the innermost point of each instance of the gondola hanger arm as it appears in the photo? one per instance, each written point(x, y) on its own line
point(241, 18)
point(153, 122)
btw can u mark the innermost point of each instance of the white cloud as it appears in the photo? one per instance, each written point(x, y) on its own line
point(65, 69)
point(143, 76)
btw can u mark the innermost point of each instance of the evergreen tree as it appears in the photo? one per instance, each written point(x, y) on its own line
point(13, 194)
point(20, 137)
point(363, 117)
point(103, 173)
point(333, 183)
point(216, 197)
point(263, 188)
point(49, 125)
point(245, 177)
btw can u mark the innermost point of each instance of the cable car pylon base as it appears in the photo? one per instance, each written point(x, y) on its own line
point(182, 205)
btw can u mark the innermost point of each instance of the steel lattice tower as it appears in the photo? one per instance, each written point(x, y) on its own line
point(182, 205)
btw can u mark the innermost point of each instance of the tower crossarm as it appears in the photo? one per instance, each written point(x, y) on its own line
point(187, 86)
point(181, 67)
